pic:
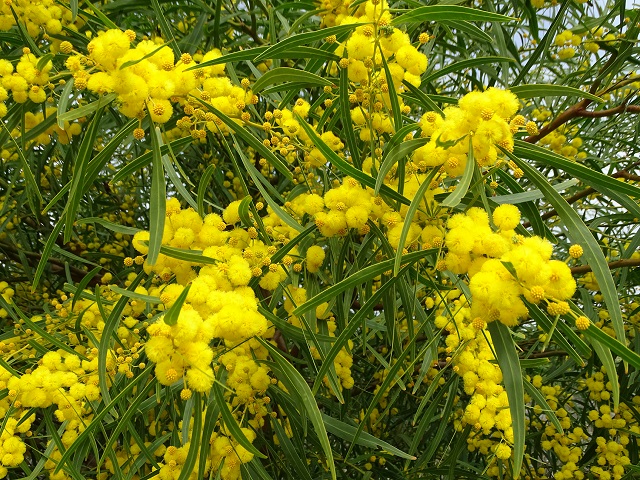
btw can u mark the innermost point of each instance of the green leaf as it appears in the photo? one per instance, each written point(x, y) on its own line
point(171, 316)
point(548, 90)
point(98, 417)
point(579, 233)
point(304, 39)
point(298, 464)
point(87, 109)
point(46, 253)
point(296, 382)
point(455, 197)
point(157, 202)
point(347, 432)
point(356, 322)
point(285, 75)
point(540, 400)
point(510, 366)
point(193, 256)
point(464, 64)
point(439, 13)
point(131, 63)
point(32, 186)
point(165, 28)
point(515, 198)
point(114, 227)
point(194, 442)
point(359, 278)
point(593, 333)
point(345, 166)
point(125, 422)
point(135, 295)
point(345, 115)
point(605, 356)
point(202, 188)
point(63, 101)
point(589, 176)
point(231, 423)
point(251, 140)
point(79, 172)
point(146, 158)
point(418, 200)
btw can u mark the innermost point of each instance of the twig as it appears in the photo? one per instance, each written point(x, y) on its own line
point(628, 262)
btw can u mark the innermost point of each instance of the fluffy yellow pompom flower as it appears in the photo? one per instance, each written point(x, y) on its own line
point(315, 257)
point(506, 217)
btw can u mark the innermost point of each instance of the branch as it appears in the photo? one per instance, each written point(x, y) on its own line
point(628, 262)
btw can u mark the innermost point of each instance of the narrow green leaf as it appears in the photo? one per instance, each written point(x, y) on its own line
point(250, 139)
point(345, 166)
point(299, 465)
point(439, 13)
point(171, 316)
point(103, 18)
point(114, 227)
point(540, 400)
point(79, 172)
point(418, 200)
point(146, 158)
point(347, 432)
point(579, 233)
point(593, 333)
point(135, 295)
point(464, 64)
point(131, 63)
point(360, 278)
point(46, 252)
point(356, 322)
point(455, 197)
point(125, 421)
point(194, 442)
point(87, 109)
point(165, 28)
point(231, 423)
point(605, 356)
point(515, 198)
point(202, 188)
point(157, 202)
point(83, 284)
point(304, 39)
point(285, 75)
point(591, 177)
point(32, 185)
point(510, 366)
point(548, 90)
point(470, 29)
point(294, 381)
point(63, 101)
point(99, 416)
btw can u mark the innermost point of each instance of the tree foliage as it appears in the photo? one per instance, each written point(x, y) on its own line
point(319, 239)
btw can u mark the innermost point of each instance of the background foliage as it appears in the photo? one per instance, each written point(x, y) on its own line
point(280, 337)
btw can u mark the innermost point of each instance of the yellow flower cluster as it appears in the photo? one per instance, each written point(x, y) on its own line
point(148, 78)
point(219, 303)
point(485, 116)
point(365, 50)
point(37, 16)
point(503, 266)
point(27, 82)
point(469, 349)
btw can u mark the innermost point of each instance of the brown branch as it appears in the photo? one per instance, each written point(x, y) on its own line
point(610, 111)
point(628, 262)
